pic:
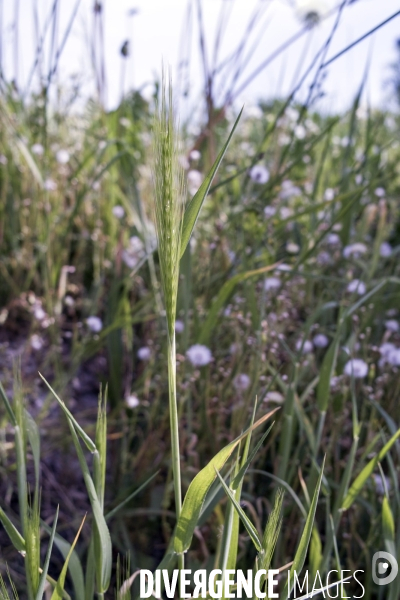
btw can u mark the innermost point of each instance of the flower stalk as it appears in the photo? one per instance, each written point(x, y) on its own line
point(170, 196)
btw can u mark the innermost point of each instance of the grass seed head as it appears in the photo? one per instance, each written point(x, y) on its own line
point(170, 196)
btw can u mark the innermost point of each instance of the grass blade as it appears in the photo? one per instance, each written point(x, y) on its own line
point(91, 446)
point(199, 487)
point(251, 530)
point(42, 582)
point(367, 471)
point(302, 549)
point(58, 592)
point(16, 538)
point(194, 206)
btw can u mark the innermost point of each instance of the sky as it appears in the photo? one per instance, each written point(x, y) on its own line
point(159, 30)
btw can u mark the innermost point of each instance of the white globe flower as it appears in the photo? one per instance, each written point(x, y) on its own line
point(95, 324)
point(36, 342)
point(132, 401)
point(320, 340)
point(385, 250)
point(259, 174)
point(241, 382)
point(356, 368)
point(144, 353)
point(305, 346)
point(269, 211)
point(179, 326)
point(195, 179)
point(355, 250)
point(118, 211)
point(199, 355)
point(272, 284)
point(62, 157)
point(37, 149)
point(333, 239)
point(392, 325)
point(50, 185)
point(356, 286)
point(393, 357)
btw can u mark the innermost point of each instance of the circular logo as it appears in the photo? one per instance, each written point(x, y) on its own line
point(384, 568)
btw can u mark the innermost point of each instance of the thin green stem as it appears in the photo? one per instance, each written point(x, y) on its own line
point(174, 425)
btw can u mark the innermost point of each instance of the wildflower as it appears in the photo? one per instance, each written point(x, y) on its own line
point(269, 211)
point(124, 122)
point(320, 340)
point(241, 382)
point(183, 161)
point(194, 155)
point(144, 353)
point(385, 250)
point(39, 313)
point(390, 355)
point(134, 253)
point(36, 342)
point(386, 348)
point(392, 325)
point(274, 397)
point(179, 326)
point(195, 179)
point(95, 324)
point(333, 239)
point(305, 346)
point(289, 190)
point(380, 192)
point(393, 357)
point(3, 159)
point(358, 179)
point(50, 185)
point(356, 286)
point(272, 284)
point(62, 157)
point(286, 212)
point(199, 355)
point(132, 401)
point(356, 368)
point(37, 149)
point(329, 194)
point(259, 174)
point(118, 211)
point(324, 258)
point(354, 250)
point(292, 248)
point(300, 132)
point(283, 267)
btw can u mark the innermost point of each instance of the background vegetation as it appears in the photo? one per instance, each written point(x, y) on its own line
point(288, 293)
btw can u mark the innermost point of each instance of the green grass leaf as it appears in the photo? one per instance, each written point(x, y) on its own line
point(16, 538)
point(301, 552)
point(251, 530)
point(74, 565)
point(198, 489)
point(42, 582)
point(58, 591)
point(367, 471)
point(194, 206)
point(103, 549)
point(91, 446)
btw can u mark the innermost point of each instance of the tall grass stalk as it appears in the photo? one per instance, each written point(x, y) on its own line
point(170, 195)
